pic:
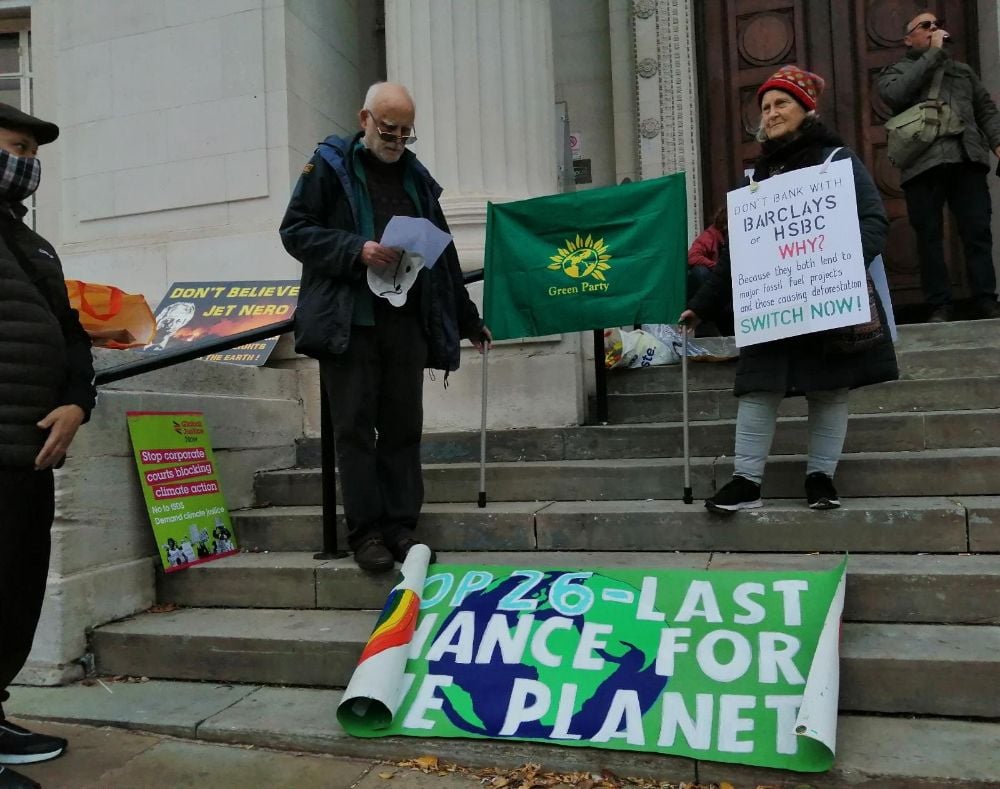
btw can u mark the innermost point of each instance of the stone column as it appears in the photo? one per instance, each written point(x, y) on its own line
point(482, 76)
point(481, 73)
point(667, 90)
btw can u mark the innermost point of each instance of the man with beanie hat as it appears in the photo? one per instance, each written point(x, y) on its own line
point(953, 169)
point(46, 393)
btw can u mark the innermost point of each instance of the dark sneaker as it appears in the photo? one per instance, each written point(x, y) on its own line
point(738, 494)
point(12, 780)
point(987, 308)
point(401, 547)
point(372, 555)
point(20, 746)
point(820, 492)
point(940, 314)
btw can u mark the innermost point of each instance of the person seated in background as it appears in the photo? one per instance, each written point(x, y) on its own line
point(702, 258)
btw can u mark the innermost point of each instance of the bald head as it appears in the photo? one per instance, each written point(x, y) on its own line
point(388, 113)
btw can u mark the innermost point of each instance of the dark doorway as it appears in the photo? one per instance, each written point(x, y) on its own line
point(847, 42)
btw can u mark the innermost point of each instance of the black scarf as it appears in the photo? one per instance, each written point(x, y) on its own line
point(802, 148)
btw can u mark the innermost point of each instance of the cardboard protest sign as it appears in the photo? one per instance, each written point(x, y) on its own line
point(797, 261)
point(193, 311)
point(181, 486)
point(721, 665)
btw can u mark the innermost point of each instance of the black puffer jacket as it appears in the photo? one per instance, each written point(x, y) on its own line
point(45, 356)
point(805, 363)
point(322, 230)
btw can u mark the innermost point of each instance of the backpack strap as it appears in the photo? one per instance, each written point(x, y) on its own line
point(936, 83)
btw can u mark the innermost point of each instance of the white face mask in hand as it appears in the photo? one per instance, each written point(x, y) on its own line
point(394, 282)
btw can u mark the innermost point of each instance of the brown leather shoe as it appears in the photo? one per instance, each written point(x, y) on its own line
point(372, 555)
point(401, 547)
point(940, 314)
point(987, 308)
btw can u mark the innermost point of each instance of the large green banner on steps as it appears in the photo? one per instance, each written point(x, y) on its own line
point(721, 665)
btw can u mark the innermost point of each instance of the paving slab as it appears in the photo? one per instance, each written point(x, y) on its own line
point(165, 707)
point(888, 753)
point(192, 765)
point(931, 524)
point(91, 754)
point(884, 752)
point(305, 719)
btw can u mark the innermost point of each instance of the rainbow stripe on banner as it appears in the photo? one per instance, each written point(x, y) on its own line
point(395, 624)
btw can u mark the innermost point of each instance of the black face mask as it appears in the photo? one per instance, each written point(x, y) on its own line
point(19, 177)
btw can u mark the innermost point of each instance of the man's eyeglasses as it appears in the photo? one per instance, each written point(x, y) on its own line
point(405, 139)
point(927, 24)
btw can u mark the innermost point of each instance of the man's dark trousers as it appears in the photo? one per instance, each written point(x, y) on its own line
point(963, 187)
point(375, 388)
point(27, 507)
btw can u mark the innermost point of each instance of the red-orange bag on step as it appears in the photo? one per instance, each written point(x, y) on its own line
point(112, 318)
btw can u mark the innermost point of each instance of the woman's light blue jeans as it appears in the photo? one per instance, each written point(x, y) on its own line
point(756, 418)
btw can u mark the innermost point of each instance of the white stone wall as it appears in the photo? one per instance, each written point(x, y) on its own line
point(184, 124)
point(582, 57)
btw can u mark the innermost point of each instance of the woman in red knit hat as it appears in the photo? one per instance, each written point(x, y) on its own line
point(793, 137)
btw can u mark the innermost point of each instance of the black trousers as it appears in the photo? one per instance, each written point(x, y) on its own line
point(375, 391)
point(963, 187)
point(27, 507)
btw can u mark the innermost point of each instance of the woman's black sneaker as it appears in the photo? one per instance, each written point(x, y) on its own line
point(820, 492)
point(20, 746)
point(738, 494)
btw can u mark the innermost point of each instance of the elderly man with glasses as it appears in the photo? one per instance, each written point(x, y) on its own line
point(953, 169)
point(372, 353)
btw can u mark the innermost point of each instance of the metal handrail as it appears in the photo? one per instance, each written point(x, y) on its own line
point(192, 351)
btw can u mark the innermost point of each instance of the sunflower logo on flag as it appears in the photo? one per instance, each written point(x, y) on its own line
point(581, 258)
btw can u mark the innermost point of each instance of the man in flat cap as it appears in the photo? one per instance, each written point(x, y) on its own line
point(46, 393)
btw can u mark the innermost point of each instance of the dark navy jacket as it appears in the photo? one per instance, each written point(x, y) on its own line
point(321, 230)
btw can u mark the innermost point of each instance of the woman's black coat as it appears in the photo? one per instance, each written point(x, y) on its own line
point(806, 363)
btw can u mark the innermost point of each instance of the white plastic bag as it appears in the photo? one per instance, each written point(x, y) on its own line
point(623, 348)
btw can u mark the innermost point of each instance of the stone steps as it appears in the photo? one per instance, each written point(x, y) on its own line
point(927, 589)
point(863, 525)
point(902, 432)
point(938, 472)
point(884, 667)
point(946, 394)
point(944, 362)
point(872, 750)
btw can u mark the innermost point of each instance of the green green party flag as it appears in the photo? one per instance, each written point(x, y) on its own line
point(587, 260)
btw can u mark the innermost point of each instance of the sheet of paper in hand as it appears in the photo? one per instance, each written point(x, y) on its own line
point(797, 260)
point(416, 235)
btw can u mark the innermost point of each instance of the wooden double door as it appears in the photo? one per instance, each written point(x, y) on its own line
point(847, 42)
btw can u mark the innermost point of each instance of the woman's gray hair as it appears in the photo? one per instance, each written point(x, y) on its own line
point(760, 136)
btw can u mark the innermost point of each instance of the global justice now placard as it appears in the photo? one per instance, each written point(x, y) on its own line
point(180, 483)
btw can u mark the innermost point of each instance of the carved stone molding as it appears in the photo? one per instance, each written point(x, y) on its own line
point(649, 128)
point(647, 67)
point(644, 8)
point(667, 117)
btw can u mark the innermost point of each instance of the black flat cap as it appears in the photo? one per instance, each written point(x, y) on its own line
point(12, 118)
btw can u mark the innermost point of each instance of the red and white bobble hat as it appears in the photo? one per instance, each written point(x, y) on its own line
point(803, 86)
